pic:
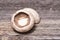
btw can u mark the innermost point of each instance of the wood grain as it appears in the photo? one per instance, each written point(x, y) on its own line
point(47, 29)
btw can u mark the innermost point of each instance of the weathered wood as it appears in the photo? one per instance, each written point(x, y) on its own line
point(47, 29)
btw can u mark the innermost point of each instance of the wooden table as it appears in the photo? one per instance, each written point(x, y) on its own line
point(47, 29)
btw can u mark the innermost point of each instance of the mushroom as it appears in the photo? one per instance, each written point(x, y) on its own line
point(24, 20)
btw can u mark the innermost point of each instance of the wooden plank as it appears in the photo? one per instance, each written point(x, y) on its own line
point(47, 29)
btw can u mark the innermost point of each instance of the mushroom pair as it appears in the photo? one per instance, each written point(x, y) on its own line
point(24, 20)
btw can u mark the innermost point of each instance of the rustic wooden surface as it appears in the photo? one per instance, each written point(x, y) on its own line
point(47, 29)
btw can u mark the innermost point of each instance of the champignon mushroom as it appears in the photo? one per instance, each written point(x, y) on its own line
point(24, 20)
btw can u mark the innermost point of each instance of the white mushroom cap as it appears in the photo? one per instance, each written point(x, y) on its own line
point(34, 13)
point(26, 28)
